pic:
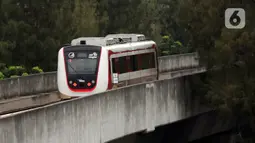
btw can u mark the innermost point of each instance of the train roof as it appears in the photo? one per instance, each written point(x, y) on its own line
point(110, 39)
point(130, 46)
point(116, 42)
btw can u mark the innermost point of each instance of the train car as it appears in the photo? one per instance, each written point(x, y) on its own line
point(95, 64)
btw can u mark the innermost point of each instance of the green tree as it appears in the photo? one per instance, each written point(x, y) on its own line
point(168, 46)
point(84, 18)
point(228, 54)
point(1, 75)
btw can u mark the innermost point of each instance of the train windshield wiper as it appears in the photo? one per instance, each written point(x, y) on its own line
point(72, 68)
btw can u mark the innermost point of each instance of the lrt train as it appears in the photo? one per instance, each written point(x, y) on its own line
point(95, 64)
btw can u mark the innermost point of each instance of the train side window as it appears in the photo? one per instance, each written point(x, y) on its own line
point(119, 65)
point(128, 63)
point(144, 62)
point(115, 65)
point(131, 63)
point(122, 65)
point(152, 60)
point(148, 61)
point(134, 63)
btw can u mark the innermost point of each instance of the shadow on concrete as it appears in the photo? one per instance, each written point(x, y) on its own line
point(182, 132)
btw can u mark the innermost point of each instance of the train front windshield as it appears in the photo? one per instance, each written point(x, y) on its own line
point(82, 66)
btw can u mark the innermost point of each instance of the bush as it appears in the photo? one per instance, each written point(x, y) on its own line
point(1, 75)
point(16, 70)
point(37, 70)
point(168, 46)
point(165, 39)
point(25, 74)
point(13, 76)
point(6, 73)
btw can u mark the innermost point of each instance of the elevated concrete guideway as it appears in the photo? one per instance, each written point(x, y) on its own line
point(47, 82)
point(41, 89)
point(106, 116)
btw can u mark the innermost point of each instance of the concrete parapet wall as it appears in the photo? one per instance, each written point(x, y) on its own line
point(177, 62)
point(104, 117)
point(41, 83)
point(28, 85)
point(27, 102)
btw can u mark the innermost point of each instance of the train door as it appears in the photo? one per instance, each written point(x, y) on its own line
point(147, 66)
point(120, 72)
point(134, 70)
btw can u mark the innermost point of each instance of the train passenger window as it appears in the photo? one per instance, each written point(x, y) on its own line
point(133, 63)
point(148, 61)
point(152, 60)
point(122, 65)
point(115, 65)
point(119, 65)
point(130, 63)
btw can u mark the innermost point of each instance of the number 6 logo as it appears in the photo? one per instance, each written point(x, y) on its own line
point(235, 18)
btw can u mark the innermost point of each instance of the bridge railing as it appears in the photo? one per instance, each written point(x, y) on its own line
point(47, 82)
point(28, 85)
point(178, 61)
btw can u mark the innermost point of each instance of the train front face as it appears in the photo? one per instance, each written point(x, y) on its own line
point(78, 70)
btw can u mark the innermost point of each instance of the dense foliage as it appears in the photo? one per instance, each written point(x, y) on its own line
point(32, 32)
point(168, 46)
point(229, 55)
point(15, 71)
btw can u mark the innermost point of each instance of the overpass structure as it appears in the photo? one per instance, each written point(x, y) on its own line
point(105, 116)
point(41, 89)
point(169, 67)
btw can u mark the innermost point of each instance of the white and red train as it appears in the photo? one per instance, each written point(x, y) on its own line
point(95, 64)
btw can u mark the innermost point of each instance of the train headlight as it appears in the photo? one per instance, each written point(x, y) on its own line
point(93, 81)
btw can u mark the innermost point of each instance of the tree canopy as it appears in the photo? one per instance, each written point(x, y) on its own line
point(32, 32)
point(229, 54)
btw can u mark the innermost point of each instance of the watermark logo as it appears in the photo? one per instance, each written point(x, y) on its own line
point(235, 18)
